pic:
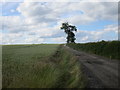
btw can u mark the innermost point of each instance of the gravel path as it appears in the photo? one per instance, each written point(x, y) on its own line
point(100, 72)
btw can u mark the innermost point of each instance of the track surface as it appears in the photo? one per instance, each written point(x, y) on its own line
point(100, 72)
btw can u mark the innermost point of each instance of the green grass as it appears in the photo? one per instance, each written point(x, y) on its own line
point(109, 49)
point(69, 67)
point(19, 62)
point(40, 66)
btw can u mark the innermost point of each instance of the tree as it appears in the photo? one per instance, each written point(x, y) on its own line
point(69, 31)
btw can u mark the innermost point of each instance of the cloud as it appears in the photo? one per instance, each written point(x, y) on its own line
point(37, 12)
point(13, 24)
point(33, 40)
point(63, 0)
point(52, 11)
point(12, 10)
point(104, 34)
point(40, 22)
point(11, 38)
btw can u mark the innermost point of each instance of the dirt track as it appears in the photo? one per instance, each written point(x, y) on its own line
point(100, 72)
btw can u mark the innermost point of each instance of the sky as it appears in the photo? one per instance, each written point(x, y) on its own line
point(39, 22)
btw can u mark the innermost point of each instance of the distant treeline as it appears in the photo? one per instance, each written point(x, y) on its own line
point(110, 49)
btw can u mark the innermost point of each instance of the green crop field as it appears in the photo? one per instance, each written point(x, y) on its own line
point(39, 66)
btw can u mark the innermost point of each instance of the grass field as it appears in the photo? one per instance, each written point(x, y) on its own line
point(40, 66)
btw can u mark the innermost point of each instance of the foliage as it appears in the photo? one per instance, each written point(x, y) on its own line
point(110, 49)
point(69, 31)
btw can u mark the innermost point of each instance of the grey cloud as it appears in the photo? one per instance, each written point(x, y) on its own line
point(37, 12)
point(32, 33)
point(51, 12)
point(56, 35)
